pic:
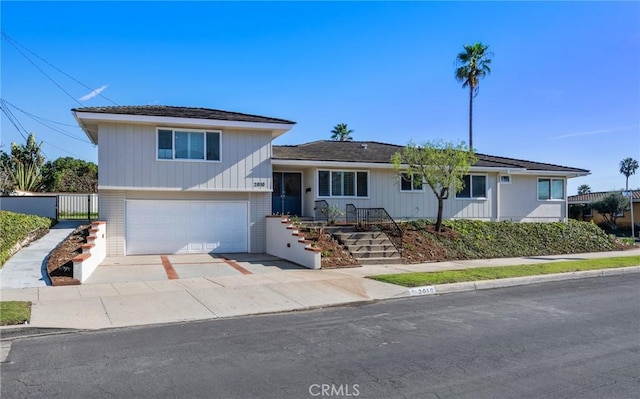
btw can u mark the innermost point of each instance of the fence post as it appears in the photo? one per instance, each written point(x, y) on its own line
point(89, 207)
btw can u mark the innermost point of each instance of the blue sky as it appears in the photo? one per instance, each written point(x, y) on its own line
point(565, 86)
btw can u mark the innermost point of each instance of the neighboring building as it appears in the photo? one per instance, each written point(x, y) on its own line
point(585, 212)
point(177, 179)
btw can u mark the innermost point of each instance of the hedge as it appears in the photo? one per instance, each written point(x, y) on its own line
point(475, 239)
point(15, 227)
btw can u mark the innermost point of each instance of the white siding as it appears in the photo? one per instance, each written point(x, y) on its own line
point(127, 156)
point(519, 202)
point(384, 192)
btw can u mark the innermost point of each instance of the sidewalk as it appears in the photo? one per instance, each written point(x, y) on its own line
point(97, 306)
point(27, 268)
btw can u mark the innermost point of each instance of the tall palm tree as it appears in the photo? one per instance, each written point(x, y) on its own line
point(473, 63)
point(584, 189)
point(341, 132)
point(628, 167)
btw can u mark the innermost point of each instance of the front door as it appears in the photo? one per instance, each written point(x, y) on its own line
point(287, 193)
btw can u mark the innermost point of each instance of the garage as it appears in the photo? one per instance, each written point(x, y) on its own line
point(168, 227)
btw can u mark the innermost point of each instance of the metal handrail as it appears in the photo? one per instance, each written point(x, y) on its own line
point(375, 218)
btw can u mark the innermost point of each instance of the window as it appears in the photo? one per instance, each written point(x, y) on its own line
point(410, 182)
point(550, 189)
point(586, 212)
point(188, 145)
point(475, 186)
point(505, 179)
point(337, 183)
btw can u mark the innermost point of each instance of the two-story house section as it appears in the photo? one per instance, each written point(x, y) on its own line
point(182, 180)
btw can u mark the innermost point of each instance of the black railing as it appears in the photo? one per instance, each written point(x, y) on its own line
point(366, 219)
point(321, 210)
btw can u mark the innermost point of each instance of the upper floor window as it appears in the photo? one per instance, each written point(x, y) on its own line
point(188, 144)
point(410, 182)
point(475, 186)
point(338, 183)
point(550, 189)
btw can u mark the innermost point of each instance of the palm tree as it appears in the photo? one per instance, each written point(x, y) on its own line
point(584, 189)
point(341, 132)
point(628, 167)
point(473, 64)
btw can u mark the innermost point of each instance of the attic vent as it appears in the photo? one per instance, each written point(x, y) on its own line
point(364, 146)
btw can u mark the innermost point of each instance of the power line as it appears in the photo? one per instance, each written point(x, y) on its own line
point(14, 42)
point(45, 124)
point(14, 121)
point(40, 69)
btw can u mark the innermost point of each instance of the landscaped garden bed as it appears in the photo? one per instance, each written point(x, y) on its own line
point(60, 264)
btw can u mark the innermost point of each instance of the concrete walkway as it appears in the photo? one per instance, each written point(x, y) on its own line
point(134, 303)
point(27, 268)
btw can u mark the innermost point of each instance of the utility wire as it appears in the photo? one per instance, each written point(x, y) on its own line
point(15, 43)
point(45, 124)
point(14, 121)
point(43, 72)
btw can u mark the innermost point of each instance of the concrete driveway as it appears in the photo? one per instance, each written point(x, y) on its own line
point(186, 266)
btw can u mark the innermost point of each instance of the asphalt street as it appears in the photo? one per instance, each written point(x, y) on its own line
point(570, 339)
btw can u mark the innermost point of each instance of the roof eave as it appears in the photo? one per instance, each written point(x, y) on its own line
point(91, 132)
point(91, 118)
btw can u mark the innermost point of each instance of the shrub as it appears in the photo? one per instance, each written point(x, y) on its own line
point(478, 239)
point(15, 227)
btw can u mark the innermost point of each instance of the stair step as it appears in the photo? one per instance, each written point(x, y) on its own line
point(380, 261)
point(360, 235)
point(371, 248)
point(366, 241)
point(375, 254)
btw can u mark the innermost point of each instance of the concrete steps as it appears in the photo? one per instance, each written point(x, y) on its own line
point(369, 247)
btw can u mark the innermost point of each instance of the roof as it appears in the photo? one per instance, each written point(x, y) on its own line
point(182, 112)
point(375, 152)
point(590, 197)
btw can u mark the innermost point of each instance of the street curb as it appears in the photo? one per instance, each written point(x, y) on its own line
point(516, 281)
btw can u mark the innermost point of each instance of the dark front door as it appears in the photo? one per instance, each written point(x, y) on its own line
point(287, 193)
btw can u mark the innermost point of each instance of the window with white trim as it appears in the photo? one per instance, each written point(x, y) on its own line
point(550, 189)
point(182, 144)
point(410, 183)
point(474, 186)
point(341, 183)
point(505, 179)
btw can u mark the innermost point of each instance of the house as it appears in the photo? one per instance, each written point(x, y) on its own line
point(584, 212)
point(361, 173)
point(178, 179)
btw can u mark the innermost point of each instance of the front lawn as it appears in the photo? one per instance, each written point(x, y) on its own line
point(492, 273)
point(14, 312)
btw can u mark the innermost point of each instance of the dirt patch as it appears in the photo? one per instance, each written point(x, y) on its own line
point(333, 254)
point(60, 264)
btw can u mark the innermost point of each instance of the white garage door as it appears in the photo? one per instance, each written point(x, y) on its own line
point(168, 227)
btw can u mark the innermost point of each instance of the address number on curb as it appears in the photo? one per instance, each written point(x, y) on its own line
point(426, 290)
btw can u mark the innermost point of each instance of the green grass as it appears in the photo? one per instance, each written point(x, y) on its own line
point(492, 273)
point(14, 312)
point(77, 215)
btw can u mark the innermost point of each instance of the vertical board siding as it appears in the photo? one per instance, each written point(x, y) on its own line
point(384, 192)
point(127, 154)
point(519, 202)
